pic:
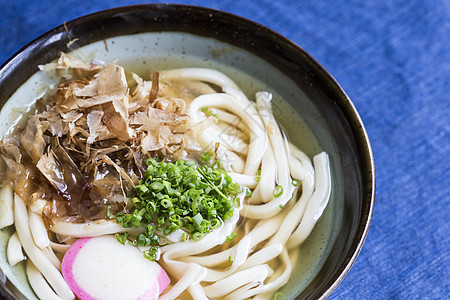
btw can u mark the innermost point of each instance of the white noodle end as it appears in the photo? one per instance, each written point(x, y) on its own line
point(6, 206)
point(38, 206)
point(322, 162)
point(14, 250)
point(38, 230)
point(39, 284)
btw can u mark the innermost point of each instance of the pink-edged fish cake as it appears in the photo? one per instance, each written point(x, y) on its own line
point(102, 268)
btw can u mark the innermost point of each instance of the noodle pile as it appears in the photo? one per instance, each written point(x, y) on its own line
point(179, 114)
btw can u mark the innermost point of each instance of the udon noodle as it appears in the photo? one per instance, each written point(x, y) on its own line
point(99, 127)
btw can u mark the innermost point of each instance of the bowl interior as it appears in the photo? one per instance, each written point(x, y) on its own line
point(164, 36)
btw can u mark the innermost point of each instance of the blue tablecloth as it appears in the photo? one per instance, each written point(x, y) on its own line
point(393, 59)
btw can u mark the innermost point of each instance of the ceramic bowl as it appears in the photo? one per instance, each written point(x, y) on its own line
point(179, 35)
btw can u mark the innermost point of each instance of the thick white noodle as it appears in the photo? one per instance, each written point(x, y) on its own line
point(14, 250)
point(197, 292)
point(271, 208)
point(304, 160)
point(39, 284)
point(200, 74)
point(89, 229)
point(248, 115)
point(238, 279)
point(277, 142)
point(233, 121)
point(226, 135)
point(236, 161)
point(261, 232)
point(38, 230)
point(191, 276)
point(231, 142)
point(263, 100)
point(230, 139)
point(6, 206)
point(285, 272)
point(267, 181)
point(37, 206)
point(208, 143)
point(206, 75)
point(295, 165)
point(238, 257)
point(263, 256)
point(39, 259)
point(248, 226)
point(322, 162)
point(241, 292)
point(295, 214)
point(61, 248)
point(317, 203)
point(48, 251)
point(244, 180)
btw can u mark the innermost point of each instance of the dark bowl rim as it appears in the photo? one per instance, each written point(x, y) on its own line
point(344, 103)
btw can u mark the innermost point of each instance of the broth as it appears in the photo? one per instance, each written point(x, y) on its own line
point(311, 252)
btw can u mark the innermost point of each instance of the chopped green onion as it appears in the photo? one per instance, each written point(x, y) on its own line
point(108, 213)
point(157, 186)
point(197, 236)
point(295, 182)
point(209, 112)
point(150, 254)
point(277, 191)
point(231, 237)
point(278, 296)
point(197, 219)
point(135, 200)
point(149, 230)
point(154, 240)
point(178, 195)
point(206, 157)
point(166, 203)
point(258, 177)
point(215, 223)
point(143, 240)
point(141, 189)
point(122, 237)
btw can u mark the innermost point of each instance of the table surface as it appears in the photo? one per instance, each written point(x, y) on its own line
point(392, 57)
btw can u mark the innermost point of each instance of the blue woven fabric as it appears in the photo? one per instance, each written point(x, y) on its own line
point(393, 59)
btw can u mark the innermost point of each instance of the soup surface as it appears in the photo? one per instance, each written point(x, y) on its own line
point(307, 257)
